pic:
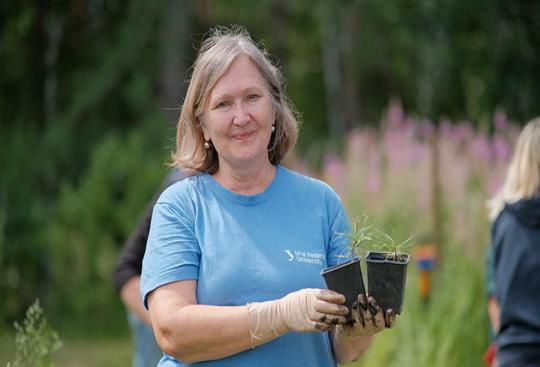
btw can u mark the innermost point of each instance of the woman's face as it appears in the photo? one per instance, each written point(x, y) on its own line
point(239, 115)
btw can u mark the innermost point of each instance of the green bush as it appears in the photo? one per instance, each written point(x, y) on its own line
point(89, 225)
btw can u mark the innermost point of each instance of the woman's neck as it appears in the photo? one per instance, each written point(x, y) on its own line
point(245, 180)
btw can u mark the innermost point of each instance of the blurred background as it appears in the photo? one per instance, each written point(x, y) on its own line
point(410, 110)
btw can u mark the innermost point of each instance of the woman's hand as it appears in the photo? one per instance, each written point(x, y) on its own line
point(367, 319)
point(351, 340)
point(306, 310)
point(309, 310)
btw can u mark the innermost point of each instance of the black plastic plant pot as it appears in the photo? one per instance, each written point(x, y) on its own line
point(386, 279)
point(345, 278)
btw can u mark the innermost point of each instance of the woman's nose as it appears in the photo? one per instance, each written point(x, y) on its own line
point(240, 114)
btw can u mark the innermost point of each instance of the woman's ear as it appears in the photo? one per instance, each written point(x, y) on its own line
point(202, 126)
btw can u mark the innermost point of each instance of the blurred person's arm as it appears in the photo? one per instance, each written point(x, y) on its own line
point(492, 308)
point(494, 313)
point(127, 273)
point(131, 297)
point(492, 305)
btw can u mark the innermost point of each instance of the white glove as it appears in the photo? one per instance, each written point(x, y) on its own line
point(306, 310)
point(367, 319)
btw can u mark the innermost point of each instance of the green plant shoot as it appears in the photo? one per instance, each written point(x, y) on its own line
point(35, 341)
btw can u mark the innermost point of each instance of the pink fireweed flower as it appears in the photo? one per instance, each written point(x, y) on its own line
point(501, 151)
point(495, 183)
point(408, 130)
point(500, 120)
point(334, 173)
point(480, 148)
point(392, 146)
point(357, 141)
point(301, 166)
point(395, 114)
point(374, 172)
point(445, 129)
point(426, 129)
point(419, 152)
point(462, 133)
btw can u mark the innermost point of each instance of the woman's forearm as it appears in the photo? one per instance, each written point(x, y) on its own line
point(347, 350)
point(201, 333)
point(191, 332)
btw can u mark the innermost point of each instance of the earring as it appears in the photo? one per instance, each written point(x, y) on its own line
point(206, 145)
point(273, 128)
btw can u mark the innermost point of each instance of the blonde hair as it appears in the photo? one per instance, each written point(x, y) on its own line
point(523, 176)
point(217, 53)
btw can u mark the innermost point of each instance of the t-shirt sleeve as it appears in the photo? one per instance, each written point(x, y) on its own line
point(340, 229)
point(172, 252)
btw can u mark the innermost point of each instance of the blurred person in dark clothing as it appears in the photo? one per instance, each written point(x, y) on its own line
point(515, 234)
point(126, 279)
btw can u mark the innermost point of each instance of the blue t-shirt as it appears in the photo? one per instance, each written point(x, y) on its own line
point(249, 248)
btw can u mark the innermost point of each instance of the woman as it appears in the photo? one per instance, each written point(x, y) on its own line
point(515, 210)
point(231, 274)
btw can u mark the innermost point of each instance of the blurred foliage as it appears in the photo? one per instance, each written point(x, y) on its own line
point(424, 335)
point(35, 341)
point(77, 174)
point(89, 223)
point(89, 91)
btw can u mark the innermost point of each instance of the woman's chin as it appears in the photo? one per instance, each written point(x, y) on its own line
point(249, 157)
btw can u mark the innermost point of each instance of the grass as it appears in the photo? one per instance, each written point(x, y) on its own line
point(102, 352)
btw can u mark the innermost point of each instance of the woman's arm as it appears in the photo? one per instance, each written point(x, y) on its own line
point(351, 341)
point(349, 350)
point(191, 332)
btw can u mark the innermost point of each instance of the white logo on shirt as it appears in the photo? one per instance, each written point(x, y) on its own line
point(291, 256)
point(306, 257)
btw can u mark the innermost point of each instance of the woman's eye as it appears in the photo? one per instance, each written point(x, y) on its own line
point(253, 97)
point(222, 104)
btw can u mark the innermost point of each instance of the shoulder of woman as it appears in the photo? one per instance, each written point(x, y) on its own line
point(178, 191)
point(312, 185)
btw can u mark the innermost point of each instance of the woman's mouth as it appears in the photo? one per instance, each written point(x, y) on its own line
point(243, 136)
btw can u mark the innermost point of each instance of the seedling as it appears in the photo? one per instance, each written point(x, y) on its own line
point(387, 270)
point(393, 249)
point(363, 234)
point(346, 278)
